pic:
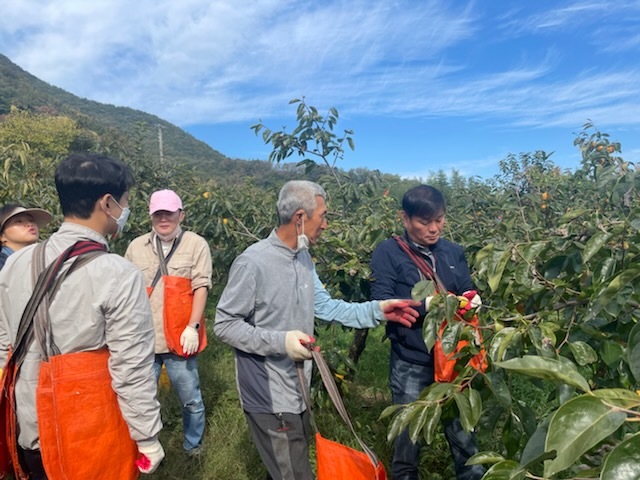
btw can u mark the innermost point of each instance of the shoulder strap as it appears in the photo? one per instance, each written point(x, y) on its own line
point(420, 262)
point(336, 399)
point(46, 280)
point(84, 253)
point(162, 269)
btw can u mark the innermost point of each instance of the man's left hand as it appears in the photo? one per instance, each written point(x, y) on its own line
point(189, 340)
point(400, 311)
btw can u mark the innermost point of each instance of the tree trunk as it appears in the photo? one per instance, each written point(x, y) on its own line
point(358, 344)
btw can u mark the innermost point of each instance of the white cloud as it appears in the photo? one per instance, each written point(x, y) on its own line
point(572, 15)
point(470, 167)
point(197, 61)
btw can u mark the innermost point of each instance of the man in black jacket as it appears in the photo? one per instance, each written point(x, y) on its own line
point(411, 365)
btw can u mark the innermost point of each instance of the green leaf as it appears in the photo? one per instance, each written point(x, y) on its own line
point(546, 368)
point(423, 289)
point(635, 224)
point(633, 351)
point(451, 336)
point(535, 448)
point(573, 214)
point(475, 402)
point(451, 304)
point(436, 391)
point(619, 397)
point(501, 341)
point(464, 407)
point(531, 252)
point(564, 392)
point(527, 417)
point(627, 277)
point(611, 352)
point(505, 470)
point(399, 422)
point(432, 422)
point(583, 353)
point(594, 244)
point(352, 146)
point(496, 274)
point(511, 434)
point(555, 266)
point(497, 385)
point(430, 332)
point(390, 410)
point(623, 463)
point(548, 332)
point(418, 422)
point(576, 427)
point(485, 457)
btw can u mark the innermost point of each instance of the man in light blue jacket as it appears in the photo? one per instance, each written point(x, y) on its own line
point(266, 313)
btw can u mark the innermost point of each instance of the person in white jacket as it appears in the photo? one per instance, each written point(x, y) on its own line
point(103, 304)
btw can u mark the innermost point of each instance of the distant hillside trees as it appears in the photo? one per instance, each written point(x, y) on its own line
point(47, 135)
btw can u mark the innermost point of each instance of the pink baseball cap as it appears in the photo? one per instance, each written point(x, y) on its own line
point(166, 200)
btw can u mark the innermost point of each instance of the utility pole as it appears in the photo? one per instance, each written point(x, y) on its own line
point(160, 143)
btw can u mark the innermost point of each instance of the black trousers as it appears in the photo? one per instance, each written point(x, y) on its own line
point(32, 461)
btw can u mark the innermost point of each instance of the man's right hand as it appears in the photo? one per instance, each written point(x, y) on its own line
point(295, 342)
point(400, 311)
point(152, 454)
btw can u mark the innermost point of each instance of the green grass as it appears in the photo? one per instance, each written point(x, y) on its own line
point(228, 452)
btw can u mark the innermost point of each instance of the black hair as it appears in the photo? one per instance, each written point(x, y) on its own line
point(423, 201)
point(83, 178)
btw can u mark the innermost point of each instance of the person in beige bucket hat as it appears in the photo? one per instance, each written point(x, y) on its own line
point(20, 227)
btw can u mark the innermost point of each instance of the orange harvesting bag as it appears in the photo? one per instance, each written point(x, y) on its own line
point(338, 462)
point(444, 365)
point(334, 460)
point(177, 301)
point(82, 431)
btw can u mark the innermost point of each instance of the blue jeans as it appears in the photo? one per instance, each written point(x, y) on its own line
point(407, 380)
point(185, 382)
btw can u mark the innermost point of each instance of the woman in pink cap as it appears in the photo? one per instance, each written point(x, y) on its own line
point(177, 267)
point(20, 227)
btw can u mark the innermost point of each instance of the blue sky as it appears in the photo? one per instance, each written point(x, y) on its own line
point(425, 85)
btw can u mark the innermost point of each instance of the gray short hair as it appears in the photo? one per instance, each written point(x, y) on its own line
point(298, 194)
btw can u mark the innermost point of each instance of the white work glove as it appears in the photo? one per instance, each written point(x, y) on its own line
point(294, 343)
point(151, 456)
point(189, 340)
point(427, 301)
point(400, 311)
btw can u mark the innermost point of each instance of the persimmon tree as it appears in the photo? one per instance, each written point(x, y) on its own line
point(361, 214)
point(556, 258)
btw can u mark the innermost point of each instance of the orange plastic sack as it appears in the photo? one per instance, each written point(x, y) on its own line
point(444, 365)
point(82, 432)
point(339, 462)
point(9, 463)
point(5, 458)
point(178, 300)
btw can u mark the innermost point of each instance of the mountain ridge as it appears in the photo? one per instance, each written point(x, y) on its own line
point(22, 89)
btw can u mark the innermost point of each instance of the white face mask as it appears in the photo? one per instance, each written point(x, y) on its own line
point(303, 240)
point(121, 221)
